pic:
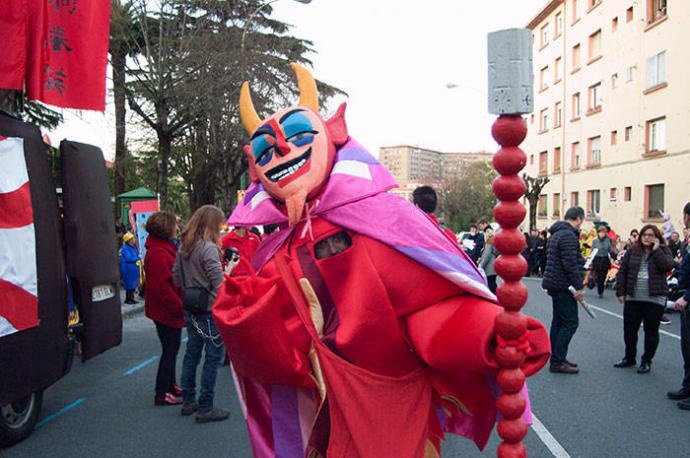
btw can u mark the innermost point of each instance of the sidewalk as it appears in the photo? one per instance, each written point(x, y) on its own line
point(131, 310)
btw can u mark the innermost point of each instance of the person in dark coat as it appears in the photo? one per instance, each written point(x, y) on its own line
point(564, 264)
point(602, 259)
point(129, 267)
point(163, 302)
point(641, 286)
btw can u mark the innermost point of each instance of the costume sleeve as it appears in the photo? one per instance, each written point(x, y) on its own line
point(248, 315)
point(458, 334)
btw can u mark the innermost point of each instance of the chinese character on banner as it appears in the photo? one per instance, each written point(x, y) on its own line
point(66, 61)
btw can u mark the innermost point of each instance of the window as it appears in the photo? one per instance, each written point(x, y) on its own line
point(614, 137)
point(556, 160)
point(557, 70)
point(542, 78)
point(613, 194)
point(656, 135)
point(544, 120)
point(593, 203)
point(575, 199)
point(558, 25)
point(595, 45)
point(594, 97)
point(557, 115)
point(656, 10)
point(576, 105)
point(594, 151)
point(575, 155)
point(656, 69)
point(654, 200)
point(575, 10)
point(614, 81)
point(629, 73)
point(628, 133)
point(556, 207)
point(627, 193)
point(542, 210)
point(614, 24)
point(543, 163)
point(544, 35)
point(629, 14)
point(576, 56)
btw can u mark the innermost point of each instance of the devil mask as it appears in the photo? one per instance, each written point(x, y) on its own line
point(292, 151)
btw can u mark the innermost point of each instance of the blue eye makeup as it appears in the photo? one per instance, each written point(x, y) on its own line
point(262, 150)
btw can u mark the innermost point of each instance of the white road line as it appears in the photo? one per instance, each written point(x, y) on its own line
point(661, 331)
point(551, 443)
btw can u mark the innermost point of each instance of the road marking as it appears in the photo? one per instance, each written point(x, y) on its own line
point(59, 412)
point(551, 443)
point(661, 331)
point(142, 365)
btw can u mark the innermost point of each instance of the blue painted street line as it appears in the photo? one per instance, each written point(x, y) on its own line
point(59, 412)
point(142, 365)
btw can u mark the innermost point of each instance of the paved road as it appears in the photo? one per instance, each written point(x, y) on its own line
point(602, 412)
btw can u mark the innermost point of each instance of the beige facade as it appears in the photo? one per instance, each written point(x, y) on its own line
point(412, 164)
point(612, 108)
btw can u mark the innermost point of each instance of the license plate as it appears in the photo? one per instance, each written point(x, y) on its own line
point(102, 292)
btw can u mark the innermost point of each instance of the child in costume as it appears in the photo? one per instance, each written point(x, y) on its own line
point(366, 332)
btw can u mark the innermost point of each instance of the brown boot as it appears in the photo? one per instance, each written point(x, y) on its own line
point(563, 368)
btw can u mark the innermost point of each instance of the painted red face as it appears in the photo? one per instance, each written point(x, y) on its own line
point(291, 153)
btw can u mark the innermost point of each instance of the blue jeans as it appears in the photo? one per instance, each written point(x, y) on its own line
point(201, 332)
point(563, 325)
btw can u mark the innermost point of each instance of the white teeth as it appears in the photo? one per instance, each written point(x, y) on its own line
point(287, 172)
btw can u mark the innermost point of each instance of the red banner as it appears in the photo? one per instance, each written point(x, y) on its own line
point(68, 52)
point(13, 23)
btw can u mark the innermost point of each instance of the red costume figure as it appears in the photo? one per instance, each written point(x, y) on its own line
point(366, 332)
point(246, 243)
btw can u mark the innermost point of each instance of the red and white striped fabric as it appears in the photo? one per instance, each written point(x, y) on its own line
point(18, 278)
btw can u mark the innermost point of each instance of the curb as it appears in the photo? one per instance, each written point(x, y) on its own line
point(131, 312)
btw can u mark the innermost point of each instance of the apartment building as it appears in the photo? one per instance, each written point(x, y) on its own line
point(611, 126)
point(413, 164)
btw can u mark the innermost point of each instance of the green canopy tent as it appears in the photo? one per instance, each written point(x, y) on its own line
point(126, 199)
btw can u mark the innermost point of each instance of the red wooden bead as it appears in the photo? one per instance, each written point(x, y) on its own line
point(509, 357)
point(512, 430)
point(510, 187)
point(511, 380)
point(510, 214)
point(506, 450)
point(511, 406)
point(509, 241)
point(509, 160)
point(509, 130)
point(511, 267)
point(512, 295)
point(511, 325)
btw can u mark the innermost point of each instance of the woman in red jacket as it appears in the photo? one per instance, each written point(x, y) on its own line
point(163, 302)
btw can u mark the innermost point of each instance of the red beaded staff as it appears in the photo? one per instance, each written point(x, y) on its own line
point(510, 96)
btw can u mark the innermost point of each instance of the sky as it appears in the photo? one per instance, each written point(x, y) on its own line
point(395, 60)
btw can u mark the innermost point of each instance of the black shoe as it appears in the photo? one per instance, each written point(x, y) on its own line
point(644, 367)
point(189, 408)
point(684, 405)
point(563, 368)
point(625, 362)
point(570, 363)
point(683, 393)
point(211, 415)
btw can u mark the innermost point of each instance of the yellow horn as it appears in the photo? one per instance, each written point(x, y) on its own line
point(248, 114)
point(308, 96)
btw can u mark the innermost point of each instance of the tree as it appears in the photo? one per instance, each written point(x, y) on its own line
point(15, 102)
point(534, 188)
point(468, 197)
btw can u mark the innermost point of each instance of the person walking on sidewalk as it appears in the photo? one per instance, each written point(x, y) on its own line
point(601, 262)
point(683, 394)
point(564, 264)
point(198, 265)
point(641, 286)
point(163, 302)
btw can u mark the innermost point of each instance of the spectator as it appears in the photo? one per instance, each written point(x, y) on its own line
point(641, 286)
point(674, 244)
point(683, 394)
point(120, 230)
point(489, 255)
point(564, 265)
point(246, 243)
point(475, 245)
point(533, 252)
point(163, 302)
point(270, 229)
point(129, 266)
point(541, 251)
point(602, 260)
point(425, 198)
point(198, 265)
